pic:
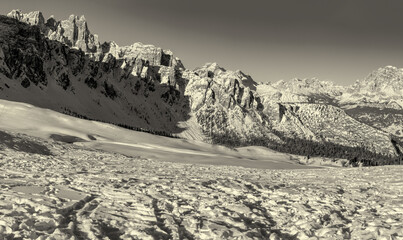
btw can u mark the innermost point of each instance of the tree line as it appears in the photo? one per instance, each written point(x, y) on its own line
point(154, 132)
point(356, 156)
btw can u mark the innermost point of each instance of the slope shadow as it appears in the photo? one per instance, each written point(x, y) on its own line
point(66, 138)
point(22, 144)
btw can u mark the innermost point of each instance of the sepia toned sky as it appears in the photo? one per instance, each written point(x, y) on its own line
point(337, 40)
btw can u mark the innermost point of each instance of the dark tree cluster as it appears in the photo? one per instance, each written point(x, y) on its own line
point(64, 81)
point(110, 91)
point(138, 129)
point(91, 82)
point(356, 155)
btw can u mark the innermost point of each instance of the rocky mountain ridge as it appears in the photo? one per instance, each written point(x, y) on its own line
point(383, 87)
point(122, 90)
point(73, 32)
point(62, 66)
point(376, 100)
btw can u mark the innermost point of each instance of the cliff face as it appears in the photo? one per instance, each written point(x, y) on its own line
point(139, 89)
point(73, 32)
point(61, 65)
point(225, 103)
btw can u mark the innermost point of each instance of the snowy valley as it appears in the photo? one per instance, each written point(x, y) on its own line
point(164, 188)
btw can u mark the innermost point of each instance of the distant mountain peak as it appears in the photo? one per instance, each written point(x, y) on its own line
point(388, 80)
point(387, 69)
point(213, 67)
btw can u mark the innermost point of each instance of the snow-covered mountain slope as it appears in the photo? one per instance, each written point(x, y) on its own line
point(232, 108)
point(139, 89)
point(383, 86)
point(60, 65)
point(47, 124)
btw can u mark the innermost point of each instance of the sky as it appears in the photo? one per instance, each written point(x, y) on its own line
point(332, 40)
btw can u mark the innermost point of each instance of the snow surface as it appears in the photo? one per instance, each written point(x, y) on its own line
point(55, 190)
point(79, 193)
point(28, 119)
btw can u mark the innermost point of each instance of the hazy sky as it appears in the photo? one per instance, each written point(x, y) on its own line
point(338, 40)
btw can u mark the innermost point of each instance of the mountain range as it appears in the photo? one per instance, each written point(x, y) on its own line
point(61, 65)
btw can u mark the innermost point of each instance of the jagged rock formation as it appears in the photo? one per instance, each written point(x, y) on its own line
point(225, 103)
point(32, 18)
point(384, 85)
point(381, 88)
point(61, 65)
point(139, 89)
point(73, 32)
point(313, 88)
point(319, 122)
point(376, 100)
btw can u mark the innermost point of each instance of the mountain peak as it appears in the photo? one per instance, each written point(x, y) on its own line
point(32, 18)
point(73, 17)
point(389, 67)
point(387, 80)
point(212, 65)
point(15, 13)
point(385, 74)
point(73, 32)
point(387, 71)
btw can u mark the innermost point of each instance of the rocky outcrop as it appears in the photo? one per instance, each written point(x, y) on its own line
point(155, 61)
point(32, 18)
point(310, 87)
point(134, 90)
point(154, 55)
point(381, 88)
point(328, 123)
point(19, 59)
point(144, 61)
point(226, 104)
point(215, 84)
point(73, 32)
point(377, 100)
point(387, 80)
